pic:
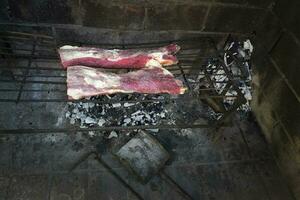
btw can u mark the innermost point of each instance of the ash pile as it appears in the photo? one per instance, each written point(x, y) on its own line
point(231, 64)
point(237, 57)
point(98, 113)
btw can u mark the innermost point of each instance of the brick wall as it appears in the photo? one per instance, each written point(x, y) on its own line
point(277, 86)
point(197, 15)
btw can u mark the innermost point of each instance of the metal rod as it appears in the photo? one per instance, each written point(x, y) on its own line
point(40, 76)
point(26, 34)
point(57, 90)
point(27, 71)
point(28, 56)
point(108, 128)
point(64, 76)
point(184, 76)
point(38, 82)
point(62, 82)
point(148, 44)
point(20, 49)
point(32, 90)
point(109, 102)
point(17, 40)
point(26, 39)
point(34, 68)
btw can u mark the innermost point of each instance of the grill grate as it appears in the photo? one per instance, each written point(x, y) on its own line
point(31, 73)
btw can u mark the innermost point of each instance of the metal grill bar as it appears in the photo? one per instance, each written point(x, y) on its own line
point(27, 71)
point(108, 102)
point(59, 82)
point(108, 128)
point(170, 68)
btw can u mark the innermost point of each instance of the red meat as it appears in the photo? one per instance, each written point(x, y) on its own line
point(115, 58)
point(85, 81)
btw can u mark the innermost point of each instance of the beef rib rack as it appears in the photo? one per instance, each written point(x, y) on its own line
point(85, 82)
point(116, 58)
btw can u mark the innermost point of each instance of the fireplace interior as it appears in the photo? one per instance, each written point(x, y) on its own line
point(233, 134)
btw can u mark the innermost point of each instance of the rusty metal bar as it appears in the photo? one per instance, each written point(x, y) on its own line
point(108, 128)
point(27, 71)
point(32, 90)
point(109, 102)
point(26, 34)
point(184, 76)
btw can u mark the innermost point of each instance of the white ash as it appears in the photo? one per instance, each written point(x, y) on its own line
point(128, 104)
point(248, 46)
point(91, 134)
point(191, 80)
point(72, 121)
point(89, 120)
point(116, 105)
point(68, 114)
point(113, 134)
point(127, 121)
point(101, 122)
point(185, 132)
point(153, 130)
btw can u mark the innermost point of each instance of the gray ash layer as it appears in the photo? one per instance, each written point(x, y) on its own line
point(93, 114)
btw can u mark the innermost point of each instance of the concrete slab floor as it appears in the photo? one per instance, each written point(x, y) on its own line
point(237, 166)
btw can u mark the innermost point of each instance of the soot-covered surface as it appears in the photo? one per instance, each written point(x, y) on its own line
point(237, 166)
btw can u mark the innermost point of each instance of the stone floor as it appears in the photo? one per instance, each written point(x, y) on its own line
point(236, 166)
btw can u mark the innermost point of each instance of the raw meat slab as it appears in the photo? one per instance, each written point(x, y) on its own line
point(116, 58)
point(85, 82)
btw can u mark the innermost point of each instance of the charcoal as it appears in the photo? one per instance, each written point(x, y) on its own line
point(117, 114)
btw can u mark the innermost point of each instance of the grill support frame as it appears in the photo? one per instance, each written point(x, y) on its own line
point(40, 40)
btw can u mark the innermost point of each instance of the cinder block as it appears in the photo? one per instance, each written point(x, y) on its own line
point(287, 56)
point(258, 3)
point(233, 19)
point(286, 108)
point(46, 11)
point(263, 112)
point(281, 143)
point(4, 11)
point(269, 77)
point(119, 16)
point(288, 13)
point(267, 34)
point(288, 158)
point(176, 17)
